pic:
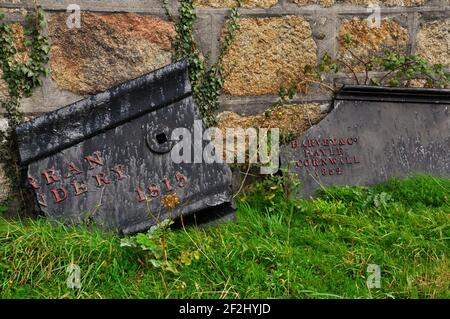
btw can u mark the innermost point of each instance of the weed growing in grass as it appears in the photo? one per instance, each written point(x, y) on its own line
point(155, 242)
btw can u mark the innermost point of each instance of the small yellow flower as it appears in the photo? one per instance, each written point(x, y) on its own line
point(170, 201)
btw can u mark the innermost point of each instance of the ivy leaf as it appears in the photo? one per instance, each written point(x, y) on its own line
point(185, 258)
point(393, 82)
point(28, 32)
point(196, 255)
point(155, 263)
point(29, 18)
point(171, 267)
point(145, 242)
point(375, 81)
point(348, 38)
point(127, 242)
point(334, 67)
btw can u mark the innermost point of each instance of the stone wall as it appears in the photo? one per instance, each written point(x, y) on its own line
point(122, 39)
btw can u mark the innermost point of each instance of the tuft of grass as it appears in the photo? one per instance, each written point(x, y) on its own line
point(419, 190)
point(36, 254)
point(278, 248)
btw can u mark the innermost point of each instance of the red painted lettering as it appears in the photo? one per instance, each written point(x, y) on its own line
point(101, 179)
point(42, 201)
point(79, 188)
point(50, 176)
point(168, 186)
point(154, 190)
point(56, 194)
point(307, 162)
point(73, 169)
point(33, 182)
point(141, 195)
point(120, 171)
point(181, 179)
point(95, 159)
point(315, 162)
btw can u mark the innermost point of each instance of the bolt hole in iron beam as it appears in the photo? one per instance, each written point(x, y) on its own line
point(161, 138)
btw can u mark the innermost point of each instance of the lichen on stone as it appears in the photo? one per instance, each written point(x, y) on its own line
point(108, 49)
point(290, 119)
point(4, 185)
point(323, 3)
point(433, 42)
point(234, 3)
point(268, 53)
point(4, 95)
point(21, 55)
point(387, 3)
point(369, 42)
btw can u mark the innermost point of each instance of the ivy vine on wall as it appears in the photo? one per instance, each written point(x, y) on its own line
point(207, 81)
point(385, 68)
point(23, 77)
point(23, 62)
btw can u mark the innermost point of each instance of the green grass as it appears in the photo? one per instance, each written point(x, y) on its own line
point(278, 249)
